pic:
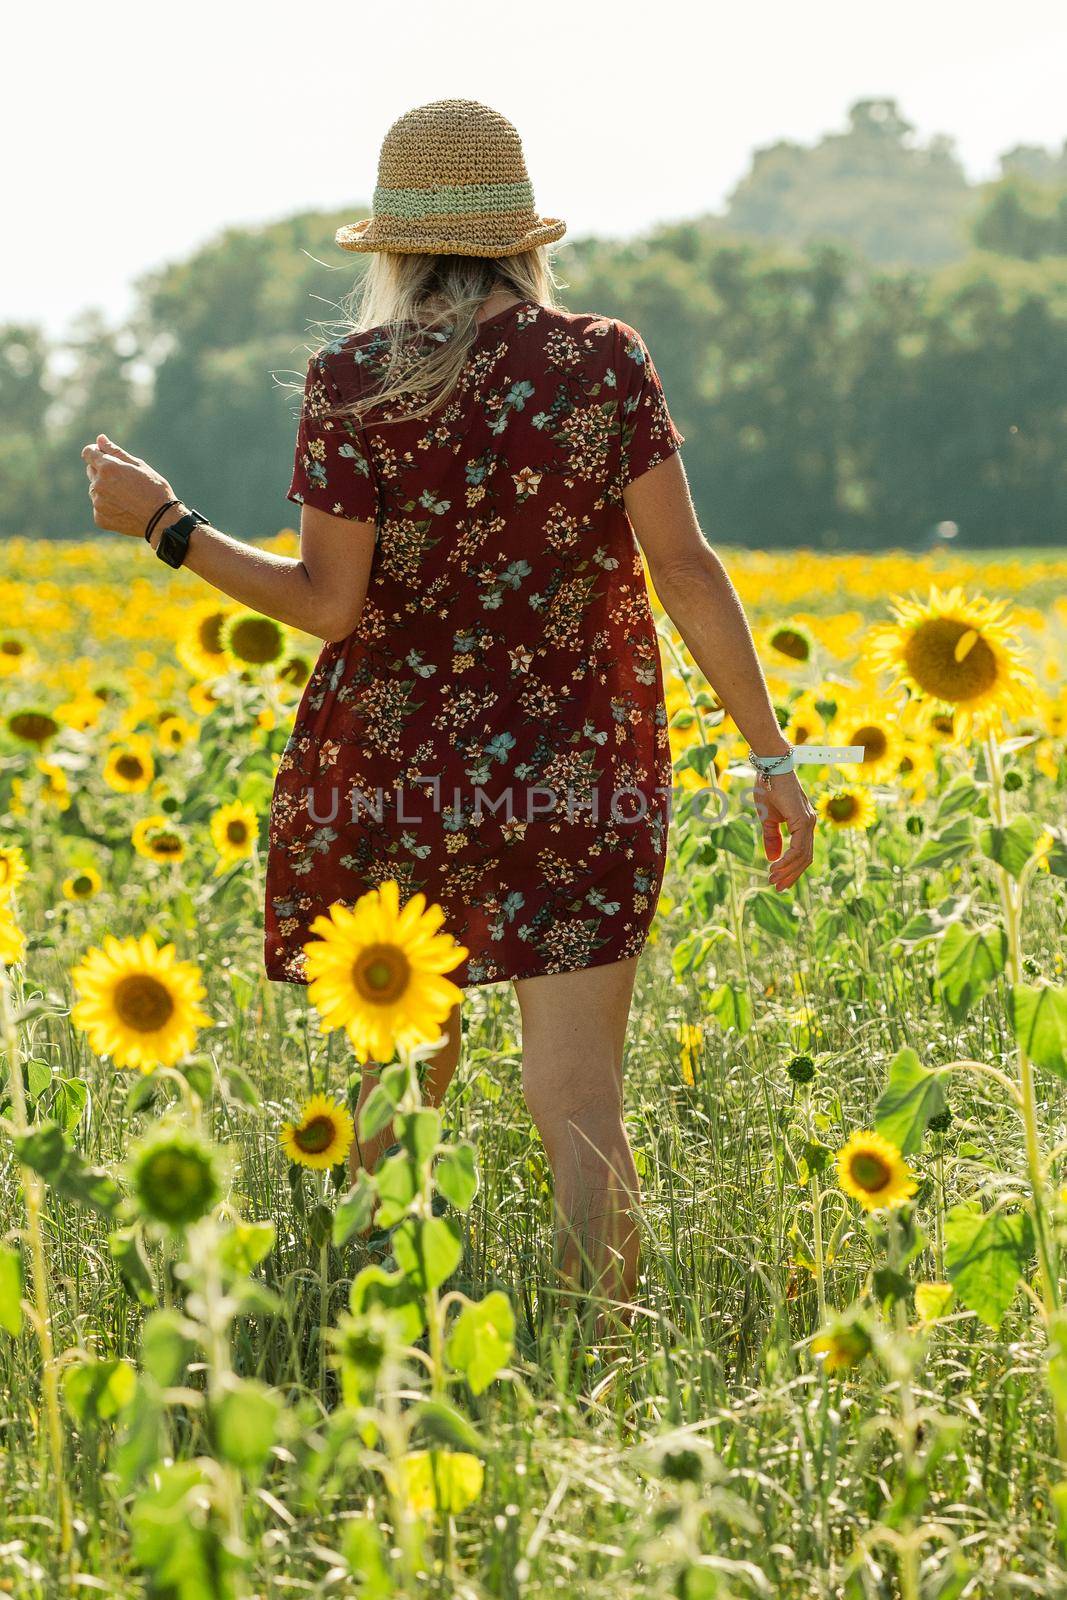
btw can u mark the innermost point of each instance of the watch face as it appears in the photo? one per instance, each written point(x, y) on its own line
point(172, 547)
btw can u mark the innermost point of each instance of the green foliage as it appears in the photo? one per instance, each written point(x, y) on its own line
point(1039, 1018)
point(481, 1339)
point(10, 1290)
point(986, 1253)
point(967, 964)
point(912, 1096)
point(846, 366)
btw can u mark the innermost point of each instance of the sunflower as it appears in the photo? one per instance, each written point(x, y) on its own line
point(960, 651)
point(296, 669)
point(12, 939)
point(200, 647)
point(377, 971)
point(234, 832)
point(842, 1345)
point(82, 885)
point(792, 640)
point(81, 713)
point(251, 640)
point(129, 768)
point(56, 789)
point(33, 726)
point(806, 722)
point(157, 840)
point(175, 1176)
point(873, 1171)
point(138, 1004)
point(13, 654)
point(13, 868)
point(202, 699)
point(321, 1137)
point(175, 731)
point(860, 720)
point(849, 806)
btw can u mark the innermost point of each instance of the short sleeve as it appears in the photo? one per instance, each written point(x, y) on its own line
point(648, 434)
point(332, 468)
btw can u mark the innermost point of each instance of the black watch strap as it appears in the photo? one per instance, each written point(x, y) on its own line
point(173, 546)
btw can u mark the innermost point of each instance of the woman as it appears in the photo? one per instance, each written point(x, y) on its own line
point(486, 721)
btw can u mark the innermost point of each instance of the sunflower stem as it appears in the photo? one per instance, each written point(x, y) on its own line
point(324, 1295)
point(33, 1194)
point(816, 1216)
point(1047, 1265)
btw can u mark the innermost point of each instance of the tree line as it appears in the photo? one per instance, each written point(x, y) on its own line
point(860, 350)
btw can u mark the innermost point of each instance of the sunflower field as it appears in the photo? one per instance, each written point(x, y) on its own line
point(227, 1371)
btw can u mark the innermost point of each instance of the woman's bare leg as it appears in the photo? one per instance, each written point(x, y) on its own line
point(438, 1075)
point(573, 1033)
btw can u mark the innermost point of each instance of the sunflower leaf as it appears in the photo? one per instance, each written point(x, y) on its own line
point(986, 1253)
point(131, 1258)
point(1010, 847)
point(376, 1113)
point(912, 1096)
point(961, 796)
point(428, 1250)
point(731, 1007)
point(481, 1339)
point(967, 963)
point(443, 1424)
point(949, 845)
point(355, 1212)
point(456, 1175)
point(1039, 1021)
point(391, 1293)
point(45, 1149)
point(774, 914)
point(10, 1290)
point(446, 1481)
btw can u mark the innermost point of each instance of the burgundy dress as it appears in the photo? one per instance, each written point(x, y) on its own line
point(493, 732)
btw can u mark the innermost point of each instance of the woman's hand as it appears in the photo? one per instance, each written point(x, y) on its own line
point(124, 490)
point(781, 802)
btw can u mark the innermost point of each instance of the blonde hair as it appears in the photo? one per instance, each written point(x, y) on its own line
point(425, 306)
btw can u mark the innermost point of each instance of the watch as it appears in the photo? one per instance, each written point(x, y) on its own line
point(173, 546)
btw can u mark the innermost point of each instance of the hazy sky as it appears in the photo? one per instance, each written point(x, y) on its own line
point(132, 131)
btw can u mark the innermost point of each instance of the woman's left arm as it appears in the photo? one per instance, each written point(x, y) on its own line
point(321, 592)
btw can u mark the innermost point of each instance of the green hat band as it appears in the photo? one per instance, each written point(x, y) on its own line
point(453, 200)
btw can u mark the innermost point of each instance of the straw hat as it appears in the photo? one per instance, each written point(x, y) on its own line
point(452, 180)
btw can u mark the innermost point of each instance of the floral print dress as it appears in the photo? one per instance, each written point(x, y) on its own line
point(493, 732)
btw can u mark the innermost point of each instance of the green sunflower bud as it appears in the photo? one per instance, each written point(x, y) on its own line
point(176, 1176)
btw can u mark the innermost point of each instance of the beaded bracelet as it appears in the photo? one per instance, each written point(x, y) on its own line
point(153, 520)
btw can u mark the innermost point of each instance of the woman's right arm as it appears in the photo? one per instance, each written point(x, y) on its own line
point(695, 590)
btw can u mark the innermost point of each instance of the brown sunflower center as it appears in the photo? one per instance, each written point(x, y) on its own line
point(842, 807)
point(256, 640)
point(36, 727)
point(143, 1003)
point(12, 647)
point(788, 642)
point(82, 884)
point(801, 734)
point(165, 844)
point(948, 659)
point(130, 767)
point(381, 973)
point(870, 1171)
point(210, 633)
point(237, 832)
point(874, 742)
point(315, 1136)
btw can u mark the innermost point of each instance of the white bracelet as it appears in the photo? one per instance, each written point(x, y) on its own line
point(772, 766)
